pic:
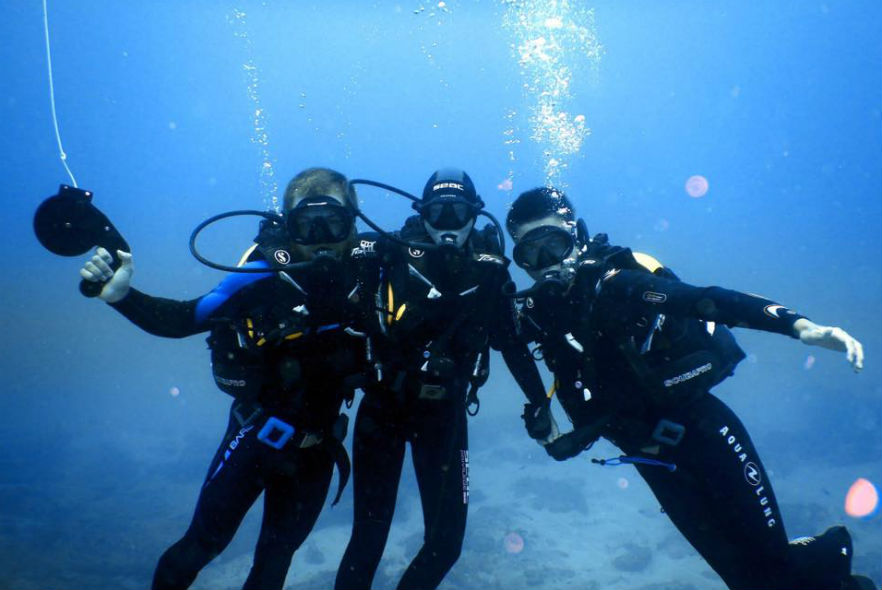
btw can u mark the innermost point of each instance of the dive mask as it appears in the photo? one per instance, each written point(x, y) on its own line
point(543, 247)
point(448, 212)
point(319, 220)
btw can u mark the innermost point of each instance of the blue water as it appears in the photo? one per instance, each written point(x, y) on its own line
point(776, 104)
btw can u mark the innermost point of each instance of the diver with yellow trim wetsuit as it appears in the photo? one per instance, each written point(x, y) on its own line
point(287, 345)
point(440, 306)
point(635, 353)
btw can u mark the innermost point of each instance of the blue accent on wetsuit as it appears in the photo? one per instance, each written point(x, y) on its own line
point(625, 460)
point(233, 283)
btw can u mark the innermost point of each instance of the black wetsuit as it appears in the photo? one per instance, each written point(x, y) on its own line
point(437, 314)
point(634, 355)
point(286, 348)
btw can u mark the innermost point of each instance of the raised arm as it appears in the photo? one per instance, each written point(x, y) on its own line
point(733, 308)
point(162, 317)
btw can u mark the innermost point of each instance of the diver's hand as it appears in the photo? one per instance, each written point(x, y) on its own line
point(829, 337)
point(116, 284)
point(540, 423)
point(566, 446)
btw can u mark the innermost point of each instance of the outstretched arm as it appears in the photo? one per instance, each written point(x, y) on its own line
point(733, 308)
point(158, 316)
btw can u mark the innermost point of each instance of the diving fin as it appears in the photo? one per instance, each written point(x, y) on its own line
point(823, 561)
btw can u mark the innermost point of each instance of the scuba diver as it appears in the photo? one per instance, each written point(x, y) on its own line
point(635, 352)
point(441, 306)
point(285, 344)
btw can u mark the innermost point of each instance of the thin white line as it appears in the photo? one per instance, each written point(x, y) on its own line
point(61, 153)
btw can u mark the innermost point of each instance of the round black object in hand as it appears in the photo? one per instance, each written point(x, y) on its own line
point(566, 446)
point(68, 224)
point(537, 420)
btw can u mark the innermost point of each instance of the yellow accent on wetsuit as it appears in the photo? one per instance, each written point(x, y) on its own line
point(649, 262)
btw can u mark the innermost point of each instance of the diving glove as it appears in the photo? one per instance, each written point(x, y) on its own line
point(829, 337)
point(540, 423)
point(116, 283)
point(567, 446)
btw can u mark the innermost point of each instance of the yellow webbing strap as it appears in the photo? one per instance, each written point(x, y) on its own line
point(553, 389)
point(390, 303)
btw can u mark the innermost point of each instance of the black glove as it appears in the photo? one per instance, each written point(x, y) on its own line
point(537, 420)
point(565, 447)
point(572, 443)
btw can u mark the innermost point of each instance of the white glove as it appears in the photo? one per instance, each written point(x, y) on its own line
point(98, 270)
point(832, 338)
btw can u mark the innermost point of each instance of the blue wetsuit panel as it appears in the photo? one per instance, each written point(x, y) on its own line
point(233, 283)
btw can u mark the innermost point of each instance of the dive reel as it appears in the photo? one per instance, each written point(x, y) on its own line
point(68, 224)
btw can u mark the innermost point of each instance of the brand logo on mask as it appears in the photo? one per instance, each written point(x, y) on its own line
point(415, 252)
point(442, 185)
point(282, 256)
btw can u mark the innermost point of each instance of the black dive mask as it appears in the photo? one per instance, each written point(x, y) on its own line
point(448, 212)
point(319, 220)
point(543, 247)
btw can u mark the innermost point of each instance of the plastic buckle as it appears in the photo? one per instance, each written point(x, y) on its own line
point(430, 391)
point(669, 433)
point(275, 433)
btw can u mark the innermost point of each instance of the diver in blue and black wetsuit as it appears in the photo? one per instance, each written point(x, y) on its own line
point(287, 346)
point(635, 352)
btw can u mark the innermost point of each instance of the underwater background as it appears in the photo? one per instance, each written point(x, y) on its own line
point(174, 111)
